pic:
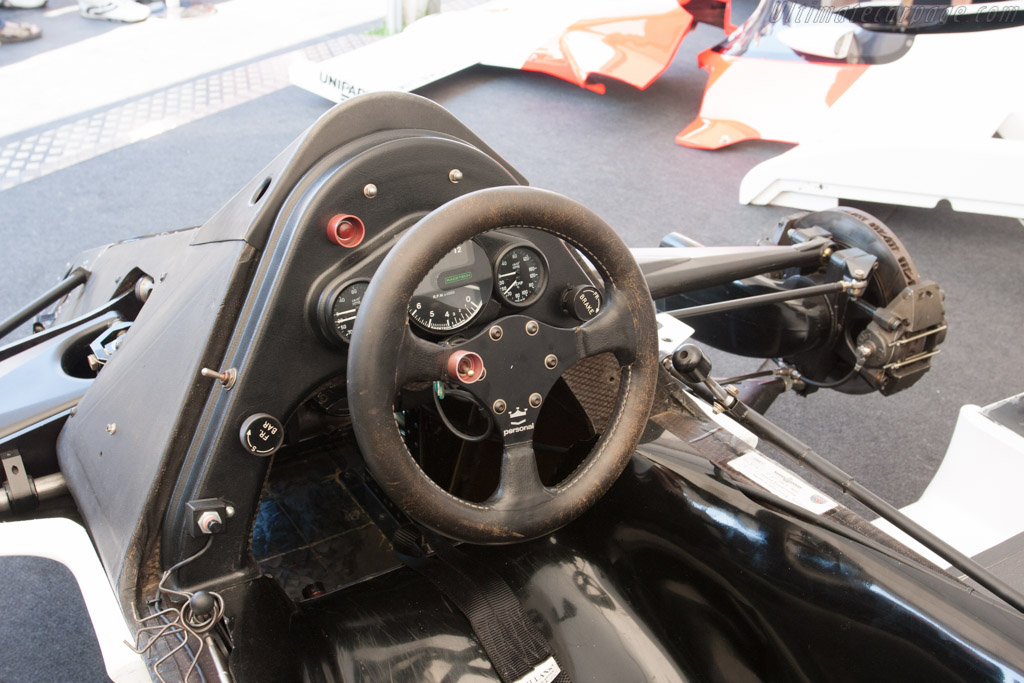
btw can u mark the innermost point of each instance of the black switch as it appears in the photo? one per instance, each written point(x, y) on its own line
point(582, 302)
point(261, 434)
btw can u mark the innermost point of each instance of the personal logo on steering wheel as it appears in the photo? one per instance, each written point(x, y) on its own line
point(519, 412)
point(518, 425)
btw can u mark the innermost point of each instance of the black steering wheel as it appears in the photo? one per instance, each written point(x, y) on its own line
point(385, 356)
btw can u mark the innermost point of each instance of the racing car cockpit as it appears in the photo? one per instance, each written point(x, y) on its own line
point(392, 414)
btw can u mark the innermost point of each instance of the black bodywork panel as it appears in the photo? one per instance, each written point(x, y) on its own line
point(150, 390)
point(280, 355)
point(241, 291)
point(673, 576)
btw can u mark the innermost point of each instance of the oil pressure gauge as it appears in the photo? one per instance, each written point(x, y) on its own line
point(520, 274)
point(338, 309)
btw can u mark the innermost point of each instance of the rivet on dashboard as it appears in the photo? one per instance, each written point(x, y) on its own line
point(495, 333)
point(455, 175)
point(535, 400)
point(370, 190)
point(551, 361)
point(532, 328)
point(499, 407)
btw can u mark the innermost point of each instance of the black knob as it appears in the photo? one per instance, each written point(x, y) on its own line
point(582, 302)
point(261, 434)
point(202, 604)
point(313, 590)
point(690, 362)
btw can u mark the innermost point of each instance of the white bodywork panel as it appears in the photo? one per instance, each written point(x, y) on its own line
point(973, 501)
point(977, 176)
point(913, 132)
point(504, 33)
point(68, 543)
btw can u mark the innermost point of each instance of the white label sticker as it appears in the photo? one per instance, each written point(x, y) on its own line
point(671, 333)
point(545, 672)
point(785, 484)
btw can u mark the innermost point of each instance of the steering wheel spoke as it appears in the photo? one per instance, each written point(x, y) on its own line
point(612, 330)
point(519, 484)
point(419, 360)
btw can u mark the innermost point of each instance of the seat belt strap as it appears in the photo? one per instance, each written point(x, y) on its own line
point(516, 648)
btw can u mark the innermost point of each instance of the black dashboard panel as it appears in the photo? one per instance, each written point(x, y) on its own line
point(470, 276)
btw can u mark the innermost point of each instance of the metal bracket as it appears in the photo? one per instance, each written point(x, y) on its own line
point(105, 346)
point(804, 235)
point(20, 490)
point(851, 264)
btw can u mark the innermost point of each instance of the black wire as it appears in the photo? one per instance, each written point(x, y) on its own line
point(161, 588)
point(209, 542)
point(830, 385)
point(458, 393)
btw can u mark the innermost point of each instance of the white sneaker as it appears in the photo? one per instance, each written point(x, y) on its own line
point(22, 4)
point(127, 11)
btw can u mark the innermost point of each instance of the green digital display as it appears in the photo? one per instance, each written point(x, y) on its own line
point(458, 277)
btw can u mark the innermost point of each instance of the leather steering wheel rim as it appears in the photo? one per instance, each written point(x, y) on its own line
point(382, 340)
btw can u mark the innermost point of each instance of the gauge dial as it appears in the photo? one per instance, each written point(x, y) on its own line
point(454, 291)
point(520, 275)
point(344, 306)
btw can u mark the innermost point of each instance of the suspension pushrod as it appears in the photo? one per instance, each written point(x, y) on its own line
point(77, 277)
point(761, 299)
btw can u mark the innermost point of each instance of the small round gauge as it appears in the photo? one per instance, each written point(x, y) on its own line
point(344, 306)
point(454, 291)
point(520, 274)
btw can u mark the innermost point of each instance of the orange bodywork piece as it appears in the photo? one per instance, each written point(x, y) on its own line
point(632, 49)
point(751, 98)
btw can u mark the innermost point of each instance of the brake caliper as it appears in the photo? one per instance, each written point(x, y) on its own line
point(897, 346)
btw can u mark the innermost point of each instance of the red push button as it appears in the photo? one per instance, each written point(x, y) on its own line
point(345, 230)
point(465, 366)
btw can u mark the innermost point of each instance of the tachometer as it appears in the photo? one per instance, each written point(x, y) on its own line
point(454, 291)
point(520, 275)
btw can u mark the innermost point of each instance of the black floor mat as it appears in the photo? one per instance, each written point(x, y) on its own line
point(311, 529)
